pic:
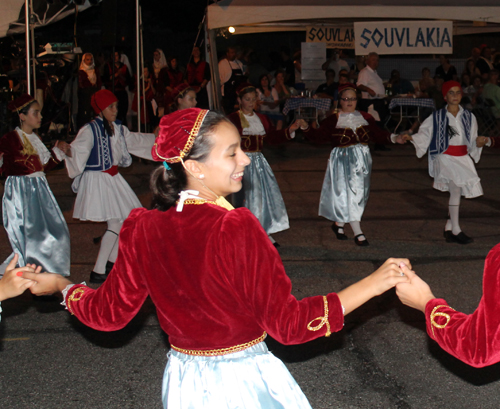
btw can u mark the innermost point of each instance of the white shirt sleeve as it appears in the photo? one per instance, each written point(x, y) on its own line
point(422, 139)
point(80, 152)
point(139, 144)
point(475, 152)
point(225, 71)
point(363, 78)
point(275, 95)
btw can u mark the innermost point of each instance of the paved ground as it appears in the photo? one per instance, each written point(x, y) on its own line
point(382, 359)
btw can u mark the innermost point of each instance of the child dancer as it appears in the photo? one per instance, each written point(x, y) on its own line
point(449, 135)
point(31, 216)
point(260, 189)
point(92, 160)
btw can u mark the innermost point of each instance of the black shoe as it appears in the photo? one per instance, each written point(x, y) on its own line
point(461, 238)
point(97, 278)
point(276, 244)
point(109, 267)
point(97, 240)
point(448, 235)
point(362, 243)
point(336, 228)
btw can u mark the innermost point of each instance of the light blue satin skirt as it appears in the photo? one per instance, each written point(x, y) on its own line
point(262, 195)
point(249, 379)
point(346, 186)
point(35, 224)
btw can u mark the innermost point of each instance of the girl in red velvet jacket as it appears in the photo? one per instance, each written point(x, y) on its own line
point(261, 193)
point(218, 284)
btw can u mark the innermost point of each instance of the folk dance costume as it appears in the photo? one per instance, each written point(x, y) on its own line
point(215, 302)
point(32, 218)
point(346, 186)
point(474, 338)
point(262, 194)
point(103, 195)
point(451, 143)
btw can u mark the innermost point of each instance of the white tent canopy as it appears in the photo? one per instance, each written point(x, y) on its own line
point(254, 16)
point(250, 16)
point(12, 14)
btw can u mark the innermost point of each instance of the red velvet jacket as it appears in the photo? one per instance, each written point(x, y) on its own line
point(343, 137)
point(495, 142)
point(209, 294)
point(475, 338)
point(255, 143)
point(16, 164)
point(84, 82)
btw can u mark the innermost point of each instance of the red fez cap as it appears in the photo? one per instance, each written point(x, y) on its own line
point(347, 86)
point(243, 87)
point(102, 99)
point(178, 131)
point(20, 102)
point(449, 85)
point(180, 90)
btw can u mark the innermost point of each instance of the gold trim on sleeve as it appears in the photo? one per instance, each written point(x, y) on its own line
point(221, 351)
point(323, 320)
point(75, 296)
point(435, 314)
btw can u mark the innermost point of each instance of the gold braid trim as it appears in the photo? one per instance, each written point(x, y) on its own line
point(28, 148)
point(190, 141)
point(435, 314)
point(221, 351)
point(221, 202)
point(75, 296)
point(322, 320)
point(243, 120)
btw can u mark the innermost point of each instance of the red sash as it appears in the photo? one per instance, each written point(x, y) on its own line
point(456, 150)
point(113, 170)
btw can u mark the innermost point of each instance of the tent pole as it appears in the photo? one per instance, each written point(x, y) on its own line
point(138, 64)
point(214, 64)
point(27, 47)
point(33, 53)
point(142, 74)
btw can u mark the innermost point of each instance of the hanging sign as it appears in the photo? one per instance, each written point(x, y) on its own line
point(404, 37)
point(334, 37)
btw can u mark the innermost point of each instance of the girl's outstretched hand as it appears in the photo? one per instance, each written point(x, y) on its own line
point(13, 284)
point(46, 283)
point(416, 293)
point(388, 275)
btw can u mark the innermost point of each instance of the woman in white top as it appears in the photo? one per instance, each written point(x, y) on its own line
point(92, 160)
point(269, 103)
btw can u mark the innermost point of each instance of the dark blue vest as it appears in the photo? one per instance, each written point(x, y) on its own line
point(101, 156)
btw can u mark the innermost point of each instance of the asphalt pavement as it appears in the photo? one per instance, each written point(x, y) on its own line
point(382, 358)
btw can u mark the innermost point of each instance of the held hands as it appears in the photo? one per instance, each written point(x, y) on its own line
point(298, 123)
point(65, 147)
point(388, 275)
point(416, 293)
point(13, 282)
point(46, 283)
point(481, 141)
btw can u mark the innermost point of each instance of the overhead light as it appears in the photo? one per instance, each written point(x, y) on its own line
point(231, 30)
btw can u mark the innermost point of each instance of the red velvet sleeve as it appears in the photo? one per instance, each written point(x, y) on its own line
point(263, 286)
point(377, 134)
point(273, 136)
point(475, 338)
point(325, 134)
point(495, 142)
point(118, 300)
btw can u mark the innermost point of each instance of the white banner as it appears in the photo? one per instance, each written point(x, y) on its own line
point(334, 37)
point(404, 37)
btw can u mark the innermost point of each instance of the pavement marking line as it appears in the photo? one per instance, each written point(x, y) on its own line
point(14, 339)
